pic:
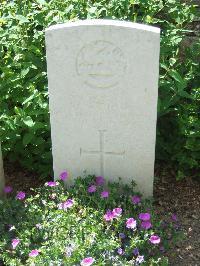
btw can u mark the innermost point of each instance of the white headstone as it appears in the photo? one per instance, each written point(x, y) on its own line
point(103, 86)
point(2, 181)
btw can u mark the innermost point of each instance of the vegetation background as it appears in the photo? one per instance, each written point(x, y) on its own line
point(24, 113)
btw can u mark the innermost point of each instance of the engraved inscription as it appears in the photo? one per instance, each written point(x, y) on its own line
point(100, 64)
point(101, 152)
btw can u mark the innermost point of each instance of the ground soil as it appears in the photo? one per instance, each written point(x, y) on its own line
point(182, 198)
point(171, 196)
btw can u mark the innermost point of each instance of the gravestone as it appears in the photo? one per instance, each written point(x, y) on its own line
point(103, 86)
point(2, 181)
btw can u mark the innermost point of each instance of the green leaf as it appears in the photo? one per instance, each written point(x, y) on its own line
point(28, 121)
point(25, 71)
point(41, 2)
point(22, 19)
point(176, 76)
point(28, 99)
point(27, 138)
point(184, 94)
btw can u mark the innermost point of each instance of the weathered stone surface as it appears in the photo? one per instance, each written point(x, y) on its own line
point(103, 77)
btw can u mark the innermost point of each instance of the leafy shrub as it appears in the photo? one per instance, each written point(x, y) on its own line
point(56, 226)
point(24, 119)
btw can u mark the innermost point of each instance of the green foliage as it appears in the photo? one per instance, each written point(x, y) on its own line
point(24, 118)
point(67, 236)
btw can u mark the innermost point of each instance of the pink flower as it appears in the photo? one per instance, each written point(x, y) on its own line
point(174, 217)
point(131, 223)
point(108, 216)
point(104, 194)
point(65, 205)
point(100, 180)
point(21, 195)
point(154, 239)
point(8, 189)
point(64, 175)
point(87, 261)
point(15, 242)
point(146, 225)
point(117, 212)
point(51, 184)
point(145, 216)
point(136, 199)
point(34, 253)
point(92, 189)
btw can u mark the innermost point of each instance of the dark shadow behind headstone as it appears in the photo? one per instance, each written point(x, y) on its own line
point(2, 180)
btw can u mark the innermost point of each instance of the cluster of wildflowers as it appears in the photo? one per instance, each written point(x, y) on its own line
point(119, 215)
point(145, 220)
point(110, 215)
point(99, 182)
point(66, 204)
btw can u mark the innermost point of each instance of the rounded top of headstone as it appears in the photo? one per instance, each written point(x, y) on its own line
point(104, 22)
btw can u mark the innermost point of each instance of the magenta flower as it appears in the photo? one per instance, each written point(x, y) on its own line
point(34, 253)
point(146, 225)
point(21, 195)
point(108, 216)
point(131, 223)
point(15, 242)
point(117, 212)
point(87, 261)
point(154, 239)
point(64, 175)
point(51, 184)
point(66, 205)
point(104, 194)
point(136, 199)
point(92, 189)
point(100, 180)
point(145, 216)
point(8, 189)
point(174, 217)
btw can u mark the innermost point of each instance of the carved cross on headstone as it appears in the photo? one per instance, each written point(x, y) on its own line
point(101, 152)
